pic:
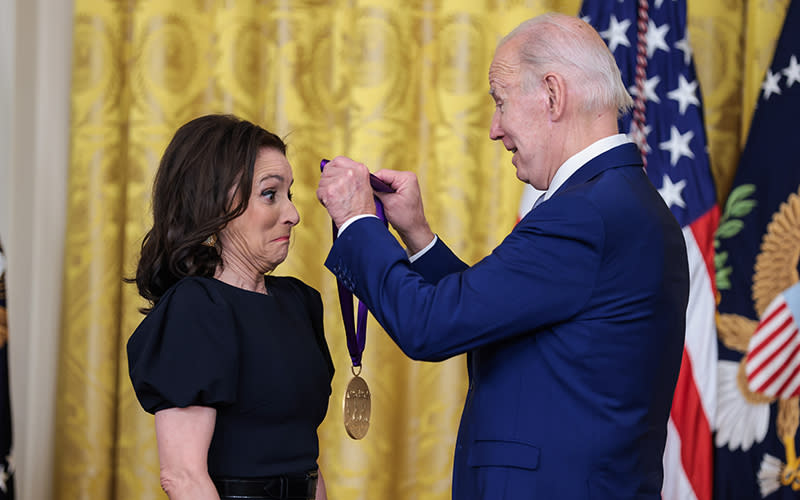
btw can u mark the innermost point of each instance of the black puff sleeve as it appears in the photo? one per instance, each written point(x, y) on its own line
point(185, 351)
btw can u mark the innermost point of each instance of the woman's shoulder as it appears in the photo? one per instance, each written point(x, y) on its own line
point(195, 284)
point(190, 296)
point(192, 311)
point(280, 283)
point(195, 288)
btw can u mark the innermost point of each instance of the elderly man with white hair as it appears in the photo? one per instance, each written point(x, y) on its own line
point(573, 326)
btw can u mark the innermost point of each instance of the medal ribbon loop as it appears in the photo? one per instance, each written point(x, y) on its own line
point(357, 333)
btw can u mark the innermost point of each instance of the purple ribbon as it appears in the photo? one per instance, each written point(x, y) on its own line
point(357, 334)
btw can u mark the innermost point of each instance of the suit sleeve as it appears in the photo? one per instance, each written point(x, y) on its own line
point(438, 262)
point(541, 274)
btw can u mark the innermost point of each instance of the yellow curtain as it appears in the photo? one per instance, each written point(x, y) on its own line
point(398, 85)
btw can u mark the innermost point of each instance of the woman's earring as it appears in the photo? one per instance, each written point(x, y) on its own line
point(211, 241)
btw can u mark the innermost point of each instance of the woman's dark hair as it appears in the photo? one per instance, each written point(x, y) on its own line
point(203, 182)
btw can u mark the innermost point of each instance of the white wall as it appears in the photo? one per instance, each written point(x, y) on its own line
point(36, 48)
point(7, 15)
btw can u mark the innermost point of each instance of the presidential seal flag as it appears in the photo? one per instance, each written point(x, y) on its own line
point(650, 43)
point(757, 273)
point(6, 460)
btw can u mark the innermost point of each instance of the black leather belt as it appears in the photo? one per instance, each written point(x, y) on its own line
point(288, 487)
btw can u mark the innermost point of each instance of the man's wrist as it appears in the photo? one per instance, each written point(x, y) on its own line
point(412, 256)
point(352, 219)
point(419, 240)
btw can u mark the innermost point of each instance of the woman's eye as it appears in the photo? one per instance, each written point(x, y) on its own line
point(268, 194)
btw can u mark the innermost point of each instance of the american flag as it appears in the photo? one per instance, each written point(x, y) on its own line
point(674, 148)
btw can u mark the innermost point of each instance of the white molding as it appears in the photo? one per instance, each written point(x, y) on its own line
point(7, 32)
point(38, 174)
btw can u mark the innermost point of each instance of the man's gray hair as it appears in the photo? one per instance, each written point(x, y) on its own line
point(570, 47)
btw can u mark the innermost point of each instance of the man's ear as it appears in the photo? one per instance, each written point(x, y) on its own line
point(556, 95)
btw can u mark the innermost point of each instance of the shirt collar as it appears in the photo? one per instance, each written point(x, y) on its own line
point(581, 158)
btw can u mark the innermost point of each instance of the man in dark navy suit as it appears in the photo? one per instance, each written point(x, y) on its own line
point(573, 326)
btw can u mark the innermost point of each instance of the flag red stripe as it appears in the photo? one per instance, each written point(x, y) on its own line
point(791, 378)
point(703, 229)
point(694, 430)
point(778, 370)
point(768, 361)
point(780, 306)
point(776, 331)
point(687, 412)
point(754, 366)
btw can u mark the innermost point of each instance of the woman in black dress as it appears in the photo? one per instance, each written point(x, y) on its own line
point(232, 362)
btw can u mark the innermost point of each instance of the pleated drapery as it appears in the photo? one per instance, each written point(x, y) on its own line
point(399, 85)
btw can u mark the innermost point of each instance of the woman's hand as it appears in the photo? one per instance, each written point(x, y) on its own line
point(322, 494)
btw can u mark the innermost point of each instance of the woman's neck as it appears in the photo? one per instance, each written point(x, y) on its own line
point(247, 280)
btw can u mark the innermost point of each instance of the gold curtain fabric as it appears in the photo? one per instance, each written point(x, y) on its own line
point(398, 85)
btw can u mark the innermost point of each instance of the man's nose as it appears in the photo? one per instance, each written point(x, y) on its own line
point(495, 132)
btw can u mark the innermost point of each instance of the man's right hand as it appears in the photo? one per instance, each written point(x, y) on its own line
point(344, 190)
point(403, 209)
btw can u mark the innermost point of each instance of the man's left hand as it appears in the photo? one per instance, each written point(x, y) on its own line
point(344, 190)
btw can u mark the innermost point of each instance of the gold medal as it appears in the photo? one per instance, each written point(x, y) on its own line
point(357, 407)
